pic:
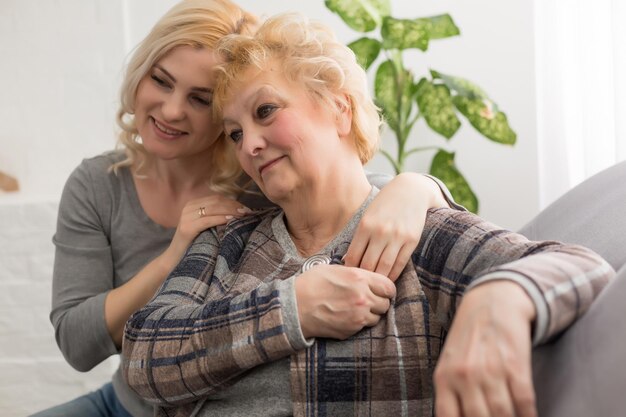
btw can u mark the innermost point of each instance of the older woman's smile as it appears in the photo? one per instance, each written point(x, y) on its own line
point(270, 164)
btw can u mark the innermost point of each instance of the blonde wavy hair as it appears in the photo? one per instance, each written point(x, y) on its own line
point(309, 54)
point(196, 23)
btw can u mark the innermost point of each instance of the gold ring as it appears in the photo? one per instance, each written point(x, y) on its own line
point(201, 212)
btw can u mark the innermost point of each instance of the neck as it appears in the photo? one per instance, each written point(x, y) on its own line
point(322, 208)
point(181, 174)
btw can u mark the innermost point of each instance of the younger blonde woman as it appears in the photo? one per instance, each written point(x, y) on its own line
point(127, 217)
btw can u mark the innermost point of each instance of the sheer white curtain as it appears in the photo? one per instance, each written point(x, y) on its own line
point(581, 90)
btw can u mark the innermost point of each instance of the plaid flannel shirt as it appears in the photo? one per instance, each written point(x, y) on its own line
point(220, 313)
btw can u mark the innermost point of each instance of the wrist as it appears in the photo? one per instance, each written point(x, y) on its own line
point(504, 295)
point(166, 262)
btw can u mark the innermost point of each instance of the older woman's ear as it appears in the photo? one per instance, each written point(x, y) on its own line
point(344, 115)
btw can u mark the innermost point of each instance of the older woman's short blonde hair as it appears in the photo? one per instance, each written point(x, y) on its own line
point(196, 23)
point(309, 54)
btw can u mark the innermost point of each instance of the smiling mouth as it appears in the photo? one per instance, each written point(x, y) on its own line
point(166, 130)
point(270, 164)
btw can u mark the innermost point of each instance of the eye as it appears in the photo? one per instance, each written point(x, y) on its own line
point(236, 135)
point(202, 101)
point(161, 82)
point(265, 110)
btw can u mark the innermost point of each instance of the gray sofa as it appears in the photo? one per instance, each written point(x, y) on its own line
point(583, 372)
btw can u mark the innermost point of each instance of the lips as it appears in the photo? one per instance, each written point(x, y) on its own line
point(269, 164)
point(166, 131)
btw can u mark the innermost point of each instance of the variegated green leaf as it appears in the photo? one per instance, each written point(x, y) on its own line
point(435, 104)
point(442, 26)
point(460, 86)
point(491, 123)
point(404, 33)
point(366, 51)
point(416, 33)
point(389, 96)
point(360, 15)
point(444, 168)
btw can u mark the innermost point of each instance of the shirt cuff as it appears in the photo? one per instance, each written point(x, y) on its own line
point(291, 321)
point(542, 320)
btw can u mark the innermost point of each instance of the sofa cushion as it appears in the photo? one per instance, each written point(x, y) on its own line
point(592, 214)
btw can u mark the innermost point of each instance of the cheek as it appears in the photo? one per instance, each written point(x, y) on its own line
point(145, 94)
point(246, 163)
point(286, 132)
point(204, 123)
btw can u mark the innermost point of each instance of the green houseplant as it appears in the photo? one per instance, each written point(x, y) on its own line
point(438, 98)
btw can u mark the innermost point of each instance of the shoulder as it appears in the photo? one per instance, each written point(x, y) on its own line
point(238, 231)
point(449, 223)
point(260, 221)
point(91, 185)
point(230, 240)
point(94, 174)
point(98, 166)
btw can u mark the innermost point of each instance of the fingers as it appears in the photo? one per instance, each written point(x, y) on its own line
point(485, 362)
point(385, 250)
point(401, 261)
point(357, 248)
point(497, 398)
point(523, 394)
point(446, 402)
point(338, 301)
point(379, 306)
point(215, 205)
point(380, 286)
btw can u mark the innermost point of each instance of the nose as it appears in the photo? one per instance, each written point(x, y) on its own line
point(253, 142)
point(173, 108)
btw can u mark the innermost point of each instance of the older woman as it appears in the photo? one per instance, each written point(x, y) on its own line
point(127, 217)
point(241, 326)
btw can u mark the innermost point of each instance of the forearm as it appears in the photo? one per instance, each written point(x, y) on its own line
point(430, 189)
point(123, 301)
point(460, 251)
point(562, 281)
point(177, 349)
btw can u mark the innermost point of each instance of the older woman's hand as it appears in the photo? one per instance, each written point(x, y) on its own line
point(485, 369)
point(337, 301)
point(392, 224)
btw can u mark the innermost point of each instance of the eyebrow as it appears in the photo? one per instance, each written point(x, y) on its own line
point(197, 89)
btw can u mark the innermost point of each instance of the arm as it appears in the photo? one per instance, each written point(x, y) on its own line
point(392, 225)
point(82, 276)
point(122, 301)
point(88, 311)
point(509, 282)
point(199, 335)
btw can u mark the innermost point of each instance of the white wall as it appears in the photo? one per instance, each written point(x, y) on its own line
point(60, 66)
point(62, 60)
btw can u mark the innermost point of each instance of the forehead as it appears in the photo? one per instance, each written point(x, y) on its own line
point(253, 84)
point(189, 60)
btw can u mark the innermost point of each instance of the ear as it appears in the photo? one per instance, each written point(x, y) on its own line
point(344, 115)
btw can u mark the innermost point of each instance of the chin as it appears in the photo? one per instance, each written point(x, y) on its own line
point(276, 194)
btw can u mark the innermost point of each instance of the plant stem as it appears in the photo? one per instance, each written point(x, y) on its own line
point(423, 148)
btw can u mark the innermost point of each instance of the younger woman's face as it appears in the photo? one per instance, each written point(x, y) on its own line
point(173, 104)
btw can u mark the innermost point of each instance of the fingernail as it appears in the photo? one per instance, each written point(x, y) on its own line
point(244, 210)
point(229, 217)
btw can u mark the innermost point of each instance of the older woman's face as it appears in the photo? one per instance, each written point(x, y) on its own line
point(283, 138)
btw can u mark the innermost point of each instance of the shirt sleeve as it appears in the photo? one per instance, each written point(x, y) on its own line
point(460, 251)
point(196, 337)
point(82, 276)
